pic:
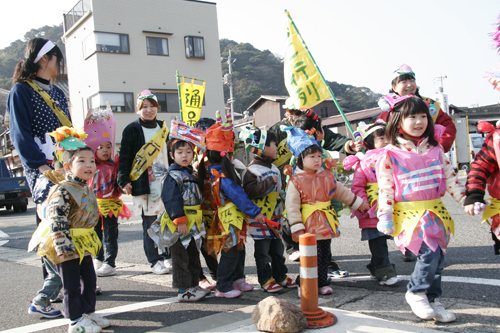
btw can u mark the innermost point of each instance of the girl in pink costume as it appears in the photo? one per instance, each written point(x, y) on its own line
point(364, 185)
point(413, 175)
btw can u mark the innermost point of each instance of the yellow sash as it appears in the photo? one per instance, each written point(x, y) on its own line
point(267, 204)
point(113, 205)
point(146, 155)
point(208, 216)
point(492, 209)
point(194, 215)
point(283, 154)
point(85, 240)
point(372, 192)
point(325, 207)
point(406, 215)
point(230, 214)
point(51, 103)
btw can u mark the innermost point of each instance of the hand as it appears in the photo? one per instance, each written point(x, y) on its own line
point(127, 189)
point(260, 218)
point(356, 145)
point(365, 206)
point(469, 209)
point(44, 168)
point(182, 228)
point(295, 235)
point(386, 227)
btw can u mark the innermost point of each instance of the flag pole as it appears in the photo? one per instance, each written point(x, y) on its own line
point(321, 74)
point(178, 77)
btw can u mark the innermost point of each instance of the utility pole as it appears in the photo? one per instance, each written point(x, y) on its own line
point(440, 78)
point(228, 79)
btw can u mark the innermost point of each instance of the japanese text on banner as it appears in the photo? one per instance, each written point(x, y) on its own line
point(192, 99)
point(302, 80)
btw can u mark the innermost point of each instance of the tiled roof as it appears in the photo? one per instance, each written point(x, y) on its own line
point(352, 116)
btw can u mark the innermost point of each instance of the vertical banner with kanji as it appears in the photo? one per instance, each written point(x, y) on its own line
point(191, 96)
point(303, 82)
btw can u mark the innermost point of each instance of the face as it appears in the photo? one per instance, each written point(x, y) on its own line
point(271, 150)
point(380, 141)
point(414, 125)
point(406, 87)
point(291, 116)
point(103, 153)
point(49, 65)
point(183, 155)
point(82, 165)
point(148, 110)
point(312, 162)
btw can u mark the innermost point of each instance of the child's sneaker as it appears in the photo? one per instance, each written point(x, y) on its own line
point(441, 314)
point(271, 286)
point(242, 285)
point(98, 290)
point(97, 264)
point(168, 264)
point(229, 294)
point(294, 256)
point(288, 283)
point(191, 295)
point(206, 291)
point(390, 281)
point(106, 270)
point(338, 274)
point(159, 268)
point(102, 322)
point(84, 324)
point(59, 298)
point(43, 311)
point(325, 290)
point(420, 305)
point(205, 284)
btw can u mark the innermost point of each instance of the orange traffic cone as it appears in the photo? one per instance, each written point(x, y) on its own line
point(316, 316)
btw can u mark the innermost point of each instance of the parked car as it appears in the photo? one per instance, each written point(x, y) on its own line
point(14, 191)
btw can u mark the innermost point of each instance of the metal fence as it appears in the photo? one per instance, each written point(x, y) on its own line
point(76, 13)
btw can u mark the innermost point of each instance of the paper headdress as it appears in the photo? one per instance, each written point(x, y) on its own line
point(388, 102)
point(100, 126)
point(183, 132)
point(220, 136)
point(68, 140)
point(402, 70)
point(365, 130)
point(254, 139)
point(298, 140)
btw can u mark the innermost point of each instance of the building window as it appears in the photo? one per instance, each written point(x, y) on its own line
point(105, 42)
point(120, 102)
point(195, 47)
point(169, 101)
point(157, 46)
point(323, 112)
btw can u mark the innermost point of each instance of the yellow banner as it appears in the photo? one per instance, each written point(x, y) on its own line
point(192, 99)
point(302, 80)
point(146, 155)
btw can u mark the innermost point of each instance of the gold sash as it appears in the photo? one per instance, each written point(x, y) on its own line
point(51, 103)
point(146, 155)
point(325, 207)
point(113, 205)
point(230, 214)
point(85, 240)
point(267, 204)
point(194, 215)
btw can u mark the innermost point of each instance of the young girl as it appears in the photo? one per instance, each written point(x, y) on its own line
point(228, 232)
point(101, 127)
point(308, 200)
point(364, 184)
point(413, 175)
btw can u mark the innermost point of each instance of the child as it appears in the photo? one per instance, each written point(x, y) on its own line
point(101, 127)
point(71, 217)
point(413, 175)
point(364, 184)
point(308, 199)
point(228, 232)
point(485, 171)
point(262, 183)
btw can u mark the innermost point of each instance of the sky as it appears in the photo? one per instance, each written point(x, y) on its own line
point(353, 42)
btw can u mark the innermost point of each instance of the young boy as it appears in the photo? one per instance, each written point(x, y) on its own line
point(262, 183)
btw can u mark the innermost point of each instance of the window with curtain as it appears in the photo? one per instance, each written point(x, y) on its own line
point(195, 47)
point(157, 46)
point(120, 102)
point(105, 42)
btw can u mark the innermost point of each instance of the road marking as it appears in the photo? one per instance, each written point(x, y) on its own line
point(106, 312)
point(3, 235)
point(458, 279)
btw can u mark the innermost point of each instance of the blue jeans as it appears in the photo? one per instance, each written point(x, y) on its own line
point(150, 248)
point(426, 276)
point(110, 239)
point(52, 284)
point(231, 268)
point(269, 260)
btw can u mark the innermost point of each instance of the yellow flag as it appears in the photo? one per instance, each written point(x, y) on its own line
point(192, 99)
point(302, 80)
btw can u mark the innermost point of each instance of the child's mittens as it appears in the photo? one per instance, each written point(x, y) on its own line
point(386, 224)
point(479, 207)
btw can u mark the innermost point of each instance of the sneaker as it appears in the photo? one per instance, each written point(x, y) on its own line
point(205, 284)
point(102, 322)
point(97, 264)
point(271, 286)
point(206, 291)
point(229, 294)
point(191, 295)
point(106, 270)
point(420, 305)
point(84, 325)
point(98, 290)
point(160, 268)
point(242, 285)
point(390, 281)
point(325, 290)
point(441, 314)
point(43, 311)
point(295, 256)
point(59, 298)
point(338, 274)
point(288, 283)
point(168, 264)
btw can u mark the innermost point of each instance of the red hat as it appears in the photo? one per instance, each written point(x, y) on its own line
point(220, 137)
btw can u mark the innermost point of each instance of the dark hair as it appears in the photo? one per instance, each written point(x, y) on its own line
point(151, 100)
point(370, 139)
point(271, 137)
point(26, 69)
point(309, 150)
point(400, 78)
point(307, 123)
point(227, 167)
point(177, 145)
point(408, 107)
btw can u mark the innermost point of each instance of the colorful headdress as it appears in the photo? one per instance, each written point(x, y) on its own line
point(68, 140)
point(220, 137)
point(100, 126)
point(496, 35)
point(365, 130)
point(146, 93)
point(255, 139)
point(388, 102)
point(183, 132)
point(298, 140)
point(402, 70)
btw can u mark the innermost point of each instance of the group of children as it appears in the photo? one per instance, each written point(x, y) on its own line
point(212, 208)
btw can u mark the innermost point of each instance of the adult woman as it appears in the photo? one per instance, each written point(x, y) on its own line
point(143, 143)
point(36, 107)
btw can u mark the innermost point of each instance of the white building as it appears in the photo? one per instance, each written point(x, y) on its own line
point(115, 49)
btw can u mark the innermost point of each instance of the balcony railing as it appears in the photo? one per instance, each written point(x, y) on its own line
point(76, 13)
